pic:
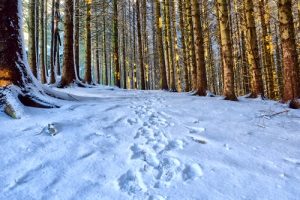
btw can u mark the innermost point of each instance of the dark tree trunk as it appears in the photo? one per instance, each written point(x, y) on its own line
point(52, 48)
point(14, 68)
point(77, 38)
point(32, 37)
point(88, 53)
point(116, 45)
point(69, 73)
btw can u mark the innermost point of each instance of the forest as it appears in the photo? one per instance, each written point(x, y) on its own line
point(173, 95)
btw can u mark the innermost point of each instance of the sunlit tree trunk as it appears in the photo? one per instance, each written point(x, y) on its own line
point(253, 53)
point(181, 9)
point(191, 46)
point(200, 59)
point(267, 47)
point(177, 67)
point(222, 9)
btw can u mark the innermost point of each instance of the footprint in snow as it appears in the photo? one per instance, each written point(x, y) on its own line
point(192, 172)
point(132, 183)
point(293, 161)
point(195, 130)
point(86, 155)
point(169, 169)
point(175, 144)
point(132, 121)
point(144, 154)
point(156, 197)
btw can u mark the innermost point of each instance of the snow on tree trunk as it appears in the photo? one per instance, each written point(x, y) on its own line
point(15, 74)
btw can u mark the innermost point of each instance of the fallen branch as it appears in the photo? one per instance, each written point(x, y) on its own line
point(275, 114)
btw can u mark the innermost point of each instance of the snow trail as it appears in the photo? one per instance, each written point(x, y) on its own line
point(120, 144)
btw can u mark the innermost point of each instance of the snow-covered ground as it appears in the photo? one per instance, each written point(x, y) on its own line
point(120, 144)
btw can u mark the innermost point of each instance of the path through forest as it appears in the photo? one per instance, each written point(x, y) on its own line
point(120, 144)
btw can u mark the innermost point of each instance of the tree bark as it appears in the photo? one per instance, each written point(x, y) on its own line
point(222, 9)
point(200, 59)
point(69, 73)
point(253, 53)
point(76, 42)
point(42, 42)
point(32, 59)
point(115, 36)
point(181, 9)
point(290, 60)
point(88, 45)
point(52, 48)
point(160, 48)
point(14, 68)
point(140, 47)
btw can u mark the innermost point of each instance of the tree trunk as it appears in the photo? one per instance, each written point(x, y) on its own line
point(32, 59)
point(200, 59)
point(76, 37)
point(124, 49)
point(267, 54)
point(222, 9)
point(290, 60)
point(181, 9)
point(52, 48)
point(177, 67)
point(140, 47)
point(160, 48)
point(88, 47)
point(116, 45)
point(43, 54)
point(69, 73)
point(253, 53)
point(191, 46)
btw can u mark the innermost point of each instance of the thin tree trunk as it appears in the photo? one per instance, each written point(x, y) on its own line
point(160, 48)
point(32, 59)
point(88, 53)
point(140, 47)
point(116, 45)
point(42, 42)
point(76, 38)
point(181, 9)
point(52, 49)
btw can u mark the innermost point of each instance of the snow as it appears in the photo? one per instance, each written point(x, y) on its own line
point(121, 144)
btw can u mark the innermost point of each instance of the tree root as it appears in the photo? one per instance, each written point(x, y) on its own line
point(34, 101)
point(12, 97)
point(294, 104)
point(77, 83)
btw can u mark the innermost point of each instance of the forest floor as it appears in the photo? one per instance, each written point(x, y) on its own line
point(120, 144)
